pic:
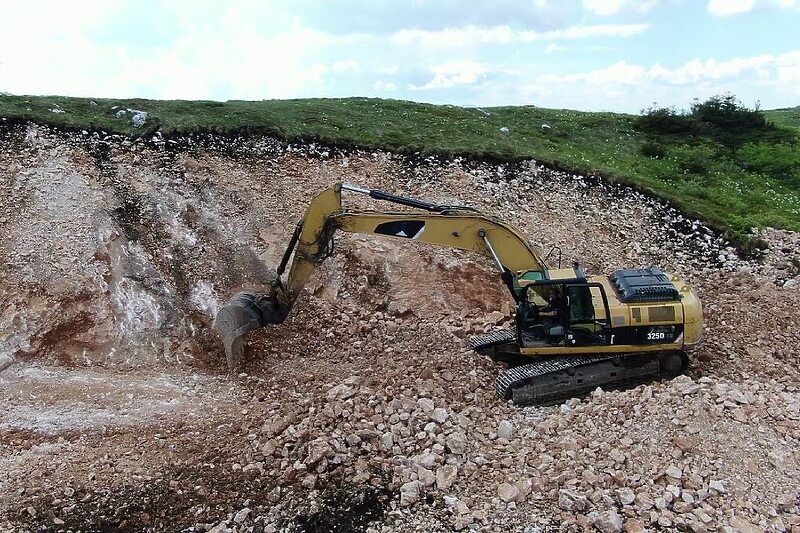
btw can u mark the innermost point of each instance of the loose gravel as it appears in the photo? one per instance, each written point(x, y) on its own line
point(365, 410)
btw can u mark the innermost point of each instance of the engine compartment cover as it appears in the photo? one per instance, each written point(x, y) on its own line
point(644, 285)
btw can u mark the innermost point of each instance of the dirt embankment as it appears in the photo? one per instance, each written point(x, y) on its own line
point(365, 410)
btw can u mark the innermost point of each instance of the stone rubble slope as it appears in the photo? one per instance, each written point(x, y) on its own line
point(365, 410)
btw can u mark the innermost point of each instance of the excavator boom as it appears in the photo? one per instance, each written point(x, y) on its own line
point(450, 226)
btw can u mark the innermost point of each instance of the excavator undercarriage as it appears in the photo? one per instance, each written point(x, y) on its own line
point(634, 326)
point(551, 379)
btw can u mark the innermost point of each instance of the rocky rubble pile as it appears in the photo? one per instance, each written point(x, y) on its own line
point(365, 410)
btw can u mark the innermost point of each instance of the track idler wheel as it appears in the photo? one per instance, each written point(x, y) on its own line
point(243, 313)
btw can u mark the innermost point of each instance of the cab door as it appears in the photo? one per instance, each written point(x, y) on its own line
point(583, 326)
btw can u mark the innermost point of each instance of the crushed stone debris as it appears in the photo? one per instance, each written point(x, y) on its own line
point(366, 410)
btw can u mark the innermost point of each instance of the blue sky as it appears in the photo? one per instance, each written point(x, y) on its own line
point(616, 55)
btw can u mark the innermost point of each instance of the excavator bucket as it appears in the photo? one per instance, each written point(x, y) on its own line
point(243, 313)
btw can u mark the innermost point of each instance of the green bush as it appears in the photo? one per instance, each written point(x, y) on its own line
point(653, 149)
point(780, 161)
point(727, 112)
point(694, 159)
point(768, 158)
point(729, 122)
point(662, 120)
point(722, 118)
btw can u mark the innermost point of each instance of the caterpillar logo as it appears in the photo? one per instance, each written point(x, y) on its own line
point(408, 229)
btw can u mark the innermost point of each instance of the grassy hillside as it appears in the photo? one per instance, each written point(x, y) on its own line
point(732, 182)
point(788, 117)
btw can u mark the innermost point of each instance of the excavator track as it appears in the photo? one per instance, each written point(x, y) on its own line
point(494, 338)
point(548, 380)
point(553, 379)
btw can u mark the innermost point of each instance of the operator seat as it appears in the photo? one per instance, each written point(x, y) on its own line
point(553, 333)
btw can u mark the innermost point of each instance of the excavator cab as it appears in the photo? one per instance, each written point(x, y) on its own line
point(577, 322)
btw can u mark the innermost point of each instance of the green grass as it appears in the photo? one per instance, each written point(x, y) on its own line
point(788, 117)
point(732, 190)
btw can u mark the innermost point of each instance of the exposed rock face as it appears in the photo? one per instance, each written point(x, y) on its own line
point(366, 407)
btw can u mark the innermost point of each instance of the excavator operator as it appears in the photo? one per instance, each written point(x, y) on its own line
point(552, 310)
point(538, 319)
point(551, 317)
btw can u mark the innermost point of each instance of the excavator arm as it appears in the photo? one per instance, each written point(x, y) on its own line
point(312, 242)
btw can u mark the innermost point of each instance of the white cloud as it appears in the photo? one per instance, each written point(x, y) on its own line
point(342, 66)
point(198, 63)
point(618, 73)
point(31, 62)
point(698, 71)
point(279, 66)
point(453, 73)
point(454, 37)
point(50, 17)
point(475, 35)
point(604, 8)
point(390, 70)
point(723, 8)
point(788, 70)
point(629, 87)
point(694, 72)
point(587, 32)
point(200, 49)
point(385, 86)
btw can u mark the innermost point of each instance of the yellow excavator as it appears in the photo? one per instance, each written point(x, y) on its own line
point(574, 332)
